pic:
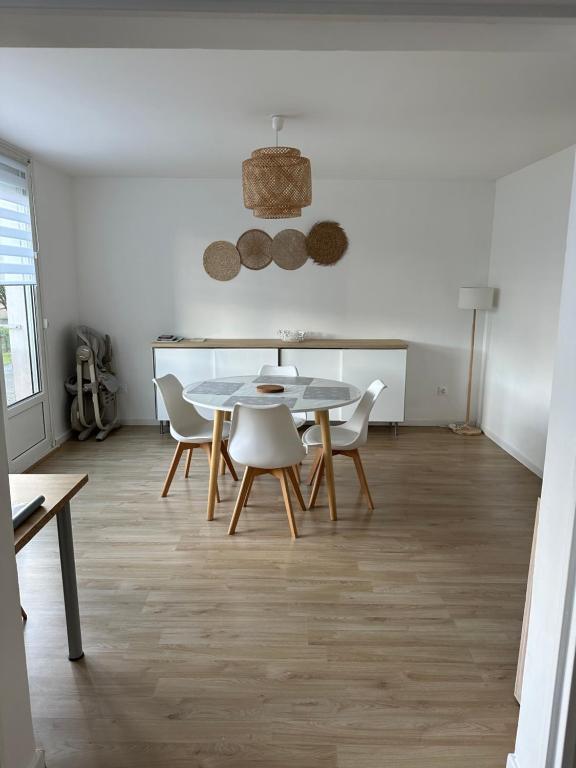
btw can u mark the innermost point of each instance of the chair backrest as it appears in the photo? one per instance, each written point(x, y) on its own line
point(264, 436)
point(184, 418)
point(358, 422)
point(278, 370)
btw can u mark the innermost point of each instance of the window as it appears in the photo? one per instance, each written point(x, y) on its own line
point(18, 335)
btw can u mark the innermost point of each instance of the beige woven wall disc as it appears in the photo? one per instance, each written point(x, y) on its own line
point(326, 243)
point(289, 249)
point(254, 247)
point(222, 260)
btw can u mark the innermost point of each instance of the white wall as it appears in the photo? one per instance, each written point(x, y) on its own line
point(140, 244)
point(57, 266)
point(552, 634)
point(528, 247)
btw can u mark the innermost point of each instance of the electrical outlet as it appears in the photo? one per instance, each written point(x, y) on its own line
point(441, 390)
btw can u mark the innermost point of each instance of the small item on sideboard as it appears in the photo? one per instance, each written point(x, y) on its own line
point(292, 335)
point(270, 388)
point(169, 337)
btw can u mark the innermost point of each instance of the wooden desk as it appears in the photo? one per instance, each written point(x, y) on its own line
point(58, 490)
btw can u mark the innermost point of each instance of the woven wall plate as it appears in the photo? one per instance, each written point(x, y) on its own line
point(326, 243)
point(289, 249)
point(254, 247)
point(222, 260)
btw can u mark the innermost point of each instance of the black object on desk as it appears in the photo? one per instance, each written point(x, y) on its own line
point(21, 512)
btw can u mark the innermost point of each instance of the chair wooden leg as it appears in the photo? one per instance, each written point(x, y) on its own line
point(315, 466)
point(173, 468)
point(317, 483)
point(249, 490)
point(188, 462)
point(222, 469)
point(227, 460)
point(362, 478)
point(294, 480)
point(244, 490)
point(208, 449)
point(296, 469)
point(282, 475)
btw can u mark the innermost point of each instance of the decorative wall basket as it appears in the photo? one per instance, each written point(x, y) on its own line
point(277, 182)
point(255, 249)
point(326, 243)
point(222, 260)
point(289, 249)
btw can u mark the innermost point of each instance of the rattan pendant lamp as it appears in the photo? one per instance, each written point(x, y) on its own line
point(276, 181)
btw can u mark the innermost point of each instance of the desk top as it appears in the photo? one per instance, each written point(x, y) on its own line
point(57, 490)
point(301, 393)
point(279, 344)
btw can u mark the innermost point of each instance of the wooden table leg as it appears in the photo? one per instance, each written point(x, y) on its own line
point(328, 465)
point(227, 417)
point(214, 463)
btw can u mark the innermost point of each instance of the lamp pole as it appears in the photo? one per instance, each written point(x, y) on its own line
point(470, 369)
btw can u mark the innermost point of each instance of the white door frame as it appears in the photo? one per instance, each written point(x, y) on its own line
point(38, 451)
point(546, 735)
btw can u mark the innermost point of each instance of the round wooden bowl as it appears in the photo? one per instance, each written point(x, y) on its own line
point(269, 388)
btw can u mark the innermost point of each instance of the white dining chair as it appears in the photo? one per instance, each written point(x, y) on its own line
point(188, 428)
point(265, 440)
point(346, 439)
point(284, 370)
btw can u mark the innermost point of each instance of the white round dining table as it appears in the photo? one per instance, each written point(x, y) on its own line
point(301, 394)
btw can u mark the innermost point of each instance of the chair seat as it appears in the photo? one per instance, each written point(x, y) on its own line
point(202, 435)
point(299, 420)
point(341, 438)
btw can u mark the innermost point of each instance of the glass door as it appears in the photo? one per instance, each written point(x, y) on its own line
point(24, 396)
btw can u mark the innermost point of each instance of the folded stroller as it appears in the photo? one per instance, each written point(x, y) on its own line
point(94, 387)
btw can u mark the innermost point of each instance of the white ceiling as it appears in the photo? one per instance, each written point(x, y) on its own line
point(501, 8)
point(194, 113)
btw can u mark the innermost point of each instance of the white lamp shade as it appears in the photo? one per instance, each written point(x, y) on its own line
point(476, 298)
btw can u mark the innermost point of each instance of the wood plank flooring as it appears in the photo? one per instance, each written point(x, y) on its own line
point(387, 639)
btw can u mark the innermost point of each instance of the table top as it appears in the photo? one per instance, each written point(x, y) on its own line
point(301, 393)
point(308, 343)
point(56, 489)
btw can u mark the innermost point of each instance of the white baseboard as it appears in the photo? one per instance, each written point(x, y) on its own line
point(38, 760)
point(61, 439)
point(141, 422)
point(427, 422)
point(407, 423)
point(513, 452)
point(512, 762)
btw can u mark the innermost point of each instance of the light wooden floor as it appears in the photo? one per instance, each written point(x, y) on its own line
point(385, 639)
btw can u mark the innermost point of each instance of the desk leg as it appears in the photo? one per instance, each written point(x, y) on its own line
point(214, 463)
point(67, 564)
point(324, 420)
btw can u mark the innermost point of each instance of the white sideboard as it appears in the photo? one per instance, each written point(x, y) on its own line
point(357, 361)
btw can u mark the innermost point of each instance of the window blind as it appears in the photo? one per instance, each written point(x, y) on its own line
point(17, 258)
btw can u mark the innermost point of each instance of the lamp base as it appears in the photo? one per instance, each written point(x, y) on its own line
point(465, 429)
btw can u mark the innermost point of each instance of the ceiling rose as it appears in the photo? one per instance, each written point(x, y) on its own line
point(277, 181)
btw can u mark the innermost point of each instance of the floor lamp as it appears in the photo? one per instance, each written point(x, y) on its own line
point(474, 299)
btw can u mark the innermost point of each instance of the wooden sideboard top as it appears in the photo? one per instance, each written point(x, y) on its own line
point(279, 344)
